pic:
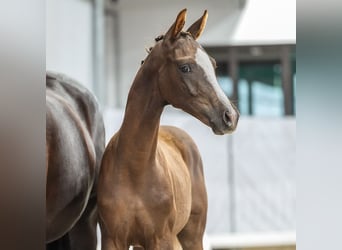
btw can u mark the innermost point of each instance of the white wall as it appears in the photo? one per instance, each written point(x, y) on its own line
point(69, 39)
point(266, 22)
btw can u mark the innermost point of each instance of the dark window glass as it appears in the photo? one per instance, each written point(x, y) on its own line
point(224, 79)
point(294, 85)
point(260, 90)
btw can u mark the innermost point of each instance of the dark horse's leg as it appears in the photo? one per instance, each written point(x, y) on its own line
point(60, 244)
point(83, 235)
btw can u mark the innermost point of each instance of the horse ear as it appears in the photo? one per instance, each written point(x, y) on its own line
point(197, 27)
point(177, 26)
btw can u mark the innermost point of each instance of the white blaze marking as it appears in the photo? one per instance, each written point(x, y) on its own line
point(202, 59)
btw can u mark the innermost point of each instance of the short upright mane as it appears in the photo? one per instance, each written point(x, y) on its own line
point(161, 37)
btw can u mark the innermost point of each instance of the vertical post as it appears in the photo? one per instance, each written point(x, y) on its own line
point(231, 185)
point(250, 97)
point(286, 79)
point(98, 50)
point(112, 66)
point(117, 53)
point(234, 73)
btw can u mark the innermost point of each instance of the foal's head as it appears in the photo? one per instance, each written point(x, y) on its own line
point(187, 77)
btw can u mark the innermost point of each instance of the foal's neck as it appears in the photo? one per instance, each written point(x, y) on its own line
point(138, 135)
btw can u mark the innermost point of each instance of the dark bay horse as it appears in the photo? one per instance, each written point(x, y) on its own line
point(75, 141)
point(151, 191)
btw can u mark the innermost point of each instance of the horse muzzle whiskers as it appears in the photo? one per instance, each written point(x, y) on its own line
point(224, 122)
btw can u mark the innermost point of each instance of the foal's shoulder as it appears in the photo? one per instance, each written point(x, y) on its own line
point(175, 134)
point(179, 140)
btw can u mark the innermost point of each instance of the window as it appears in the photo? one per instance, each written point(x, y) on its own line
point(260, 90)
point(262, 83)
point(224, 79)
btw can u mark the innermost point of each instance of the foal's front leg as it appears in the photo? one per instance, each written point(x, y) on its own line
point(111, 241)
point(191, 236)
point(108, 243)
point(167, 243)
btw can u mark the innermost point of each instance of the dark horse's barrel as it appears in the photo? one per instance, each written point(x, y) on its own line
point(75, 141)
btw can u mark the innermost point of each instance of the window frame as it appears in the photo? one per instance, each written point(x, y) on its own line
point(233, 56)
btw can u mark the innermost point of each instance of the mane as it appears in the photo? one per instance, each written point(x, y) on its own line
point(161, 37)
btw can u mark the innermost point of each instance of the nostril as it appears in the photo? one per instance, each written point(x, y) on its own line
point(226, 118)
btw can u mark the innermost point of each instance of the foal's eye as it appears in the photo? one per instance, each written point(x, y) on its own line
point(185, 68)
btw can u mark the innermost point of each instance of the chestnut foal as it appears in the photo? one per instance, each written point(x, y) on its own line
point(151, 191)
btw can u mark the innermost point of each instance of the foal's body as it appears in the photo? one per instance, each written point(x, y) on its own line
point(151, 189)
point(74, 147)
point(154, 171)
